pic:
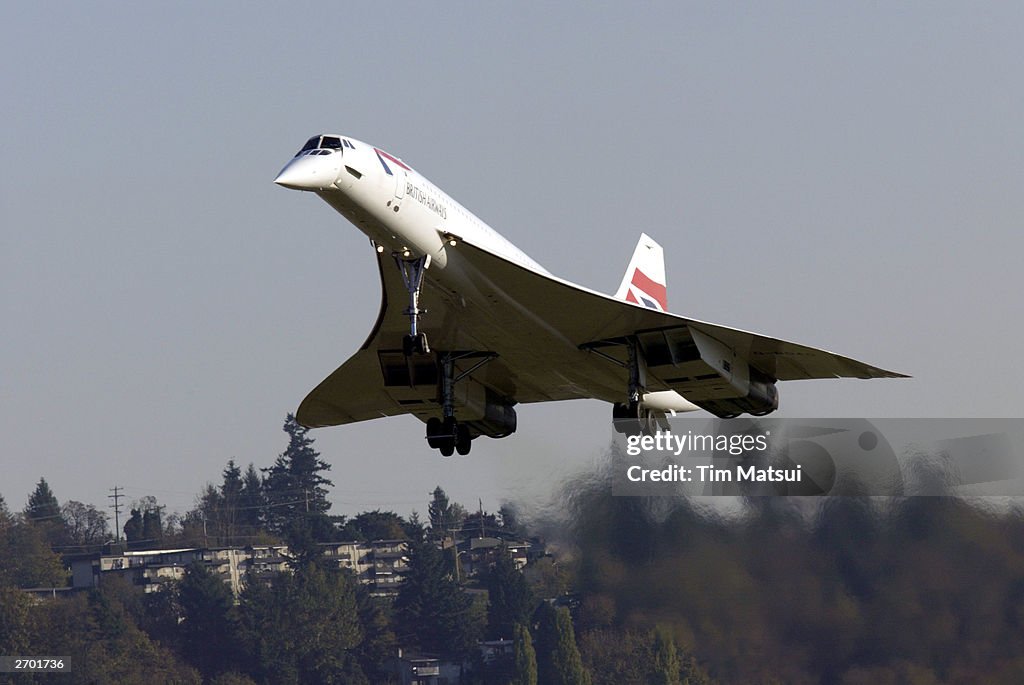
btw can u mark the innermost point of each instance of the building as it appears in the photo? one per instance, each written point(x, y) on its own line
point(379, 564)
point(413, 668)
point(478, 554)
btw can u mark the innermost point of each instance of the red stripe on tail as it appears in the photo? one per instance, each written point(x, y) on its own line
point(656, 290)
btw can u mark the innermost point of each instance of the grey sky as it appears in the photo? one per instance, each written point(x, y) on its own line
point(848, 177)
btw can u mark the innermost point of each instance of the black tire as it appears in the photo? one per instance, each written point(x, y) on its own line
point(463, 441)
point(408, 345)
point(447, 447)
point(625, 418)
point(434, 429)
point(449, 428)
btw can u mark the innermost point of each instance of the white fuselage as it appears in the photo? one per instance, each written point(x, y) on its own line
point(399, 209)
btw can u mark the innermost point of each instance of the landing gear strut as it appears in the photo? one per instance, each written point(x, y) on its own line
point(412, 276)
point(629, 416)
point(447, 434)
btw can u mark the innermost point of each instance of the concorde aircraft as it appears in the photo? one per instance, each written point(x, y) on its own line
point(469, 325)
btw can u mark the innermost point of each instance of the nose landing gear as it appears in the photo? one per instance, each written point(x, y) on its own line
point(412, 270)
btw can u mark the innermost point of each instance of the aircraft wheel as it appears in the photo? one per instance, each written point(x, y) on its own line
point(447, 447)
point(415, 344)
point(449, 428)
point(422, 346)
point(463, 442)
point(625, 418)
point(434, 431)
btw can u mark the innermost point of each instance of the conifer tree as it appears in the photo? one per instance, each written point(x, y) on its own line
point(42, 504)
point(431, 609)
point(230, 498)
point(509, 599)
point(251, 502)
point(558, 658)
point(524, 657)
point(209, 627)
point(294, 487)
point(439, 511)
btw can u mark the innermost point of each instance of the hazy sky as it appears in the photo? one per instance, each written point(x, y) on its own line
point(843, 175)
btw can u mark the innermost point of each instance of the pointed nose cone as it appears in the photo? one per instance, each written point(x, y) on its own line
point(307, 173)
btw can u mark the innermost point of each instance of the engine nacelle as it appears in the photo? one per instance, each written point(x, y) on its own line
point(499, 420)
point(762, 398)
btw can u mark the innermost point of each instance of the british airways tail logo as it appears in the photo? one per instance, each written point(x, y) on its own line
point(647, 292)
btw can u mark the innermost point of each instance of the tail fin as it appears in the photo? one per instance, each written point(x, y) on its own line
point(644, 281)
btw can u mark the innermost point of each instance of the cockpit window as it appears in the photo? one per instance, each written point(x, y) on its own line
point(322, 143)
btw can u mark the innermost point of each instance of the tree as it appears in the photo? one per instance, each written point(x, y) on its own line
point(15, 621)
point(666, 659)
point(481, 523)
point(6, 520)
point(204, 520)
point(524, 658)
point(294, 487)
point(230, 499)
point(509, 599)
point(444, 516)
point(133, 528)
point(378, 644)
point(303, 627)
point(558, 658)
point(144, 528)
point(209, 629)
point(379, 525)
point(43, 512)
point(437, 510)
point(85, 525)
point(251, 501)
point(28, 560)
point(152, 526)
point(42, 504)
point(431, 609)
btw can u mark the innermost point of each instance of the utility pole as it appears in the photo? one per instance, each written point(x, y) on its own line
point(116, 506)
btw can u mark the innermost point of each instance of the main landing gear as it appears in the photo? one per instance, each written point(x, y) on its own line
point(447, 434)
point(630, 416)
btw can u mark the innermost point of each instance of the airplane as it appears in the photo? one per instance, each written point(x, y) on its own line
point(470, 326)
